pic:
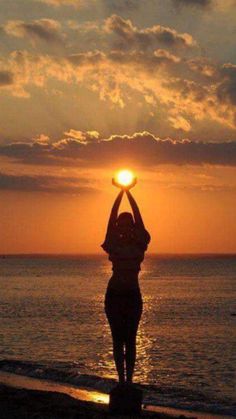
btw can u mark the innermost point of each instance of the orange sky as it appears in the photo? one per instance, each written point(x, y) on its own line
point(187, 220)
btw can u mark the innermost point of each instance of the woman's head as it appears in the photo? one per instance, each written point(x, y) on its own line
point(125, 221)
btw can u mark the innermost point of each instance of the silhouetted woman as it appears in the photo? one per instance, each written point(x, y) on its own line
point(126, 241)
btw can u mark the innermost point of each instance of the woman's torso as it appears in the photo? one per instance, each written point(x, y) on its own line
point(126, 262)
point(123, 283)
point(126, 255)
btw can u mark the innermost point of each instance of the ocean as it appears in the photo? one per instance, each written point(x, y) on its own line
point(53, 326)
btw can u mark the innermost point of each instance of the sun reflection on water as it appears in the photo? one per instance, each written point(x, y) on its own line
point(144, 344)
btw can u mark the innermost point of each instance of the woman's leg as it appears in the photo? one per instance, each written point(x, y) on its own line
point(132, 322)
point(112, 307)
point(130, 357)
point(119, 358)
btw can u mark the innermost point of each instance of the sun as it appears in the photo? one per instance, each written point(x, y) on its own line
point(125, 177)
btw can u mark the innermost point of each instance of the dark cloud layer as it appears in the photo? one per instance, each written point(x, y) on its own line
point(143, 149)
point(42, 184)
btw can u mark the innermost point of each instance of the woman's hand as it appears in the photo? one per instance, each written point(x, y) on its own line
point(131, 185)
point(124, 187)
point(115, 183)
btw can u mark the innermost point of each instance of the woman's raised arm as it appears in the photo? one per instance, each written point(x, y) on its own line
point(137, 215)
point(144, 236)
point(107, 244)
point(114, 211)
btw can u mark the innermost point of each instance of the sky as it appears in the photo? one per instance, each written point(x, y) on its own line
point(91, 86)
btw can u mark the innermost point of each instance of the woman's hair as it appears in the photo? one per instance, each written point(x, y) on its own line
point(125, 217)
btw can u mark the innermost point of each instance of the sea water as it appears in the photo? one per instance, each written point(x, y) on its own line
point(53, 326)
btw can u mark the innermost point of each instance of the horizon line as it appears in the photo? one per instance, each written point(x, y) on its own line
point(51, 254)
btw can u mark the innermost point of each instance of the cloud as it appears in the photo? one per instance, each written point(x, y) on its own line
point(32, 70)
point(203, 66)
point(218, 5)
point(57, 3)
point(149, 62)
point(200, 3)
point(83, 137)
point(143, 149)
point(121, 5)
point(226, 91)
point(6, 78)
point(111, 5)
point(37, 183)
point(130, 36)
point(189, 89)
point(47, 30)
point(193, 89)
point(181, 123)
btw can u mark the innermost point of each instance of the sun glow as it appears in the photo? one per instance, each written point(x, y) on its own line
point(125, 177)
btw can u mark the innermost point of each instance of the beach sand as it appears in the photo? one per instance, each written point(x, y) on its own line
point(25, 397)
point(21, 404)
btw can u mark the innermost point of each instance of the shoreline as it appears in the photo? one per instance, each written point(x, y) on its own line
point(21, 394)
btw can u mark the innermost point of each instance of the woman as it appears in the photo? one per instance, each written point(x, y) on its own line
point(126, 241)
